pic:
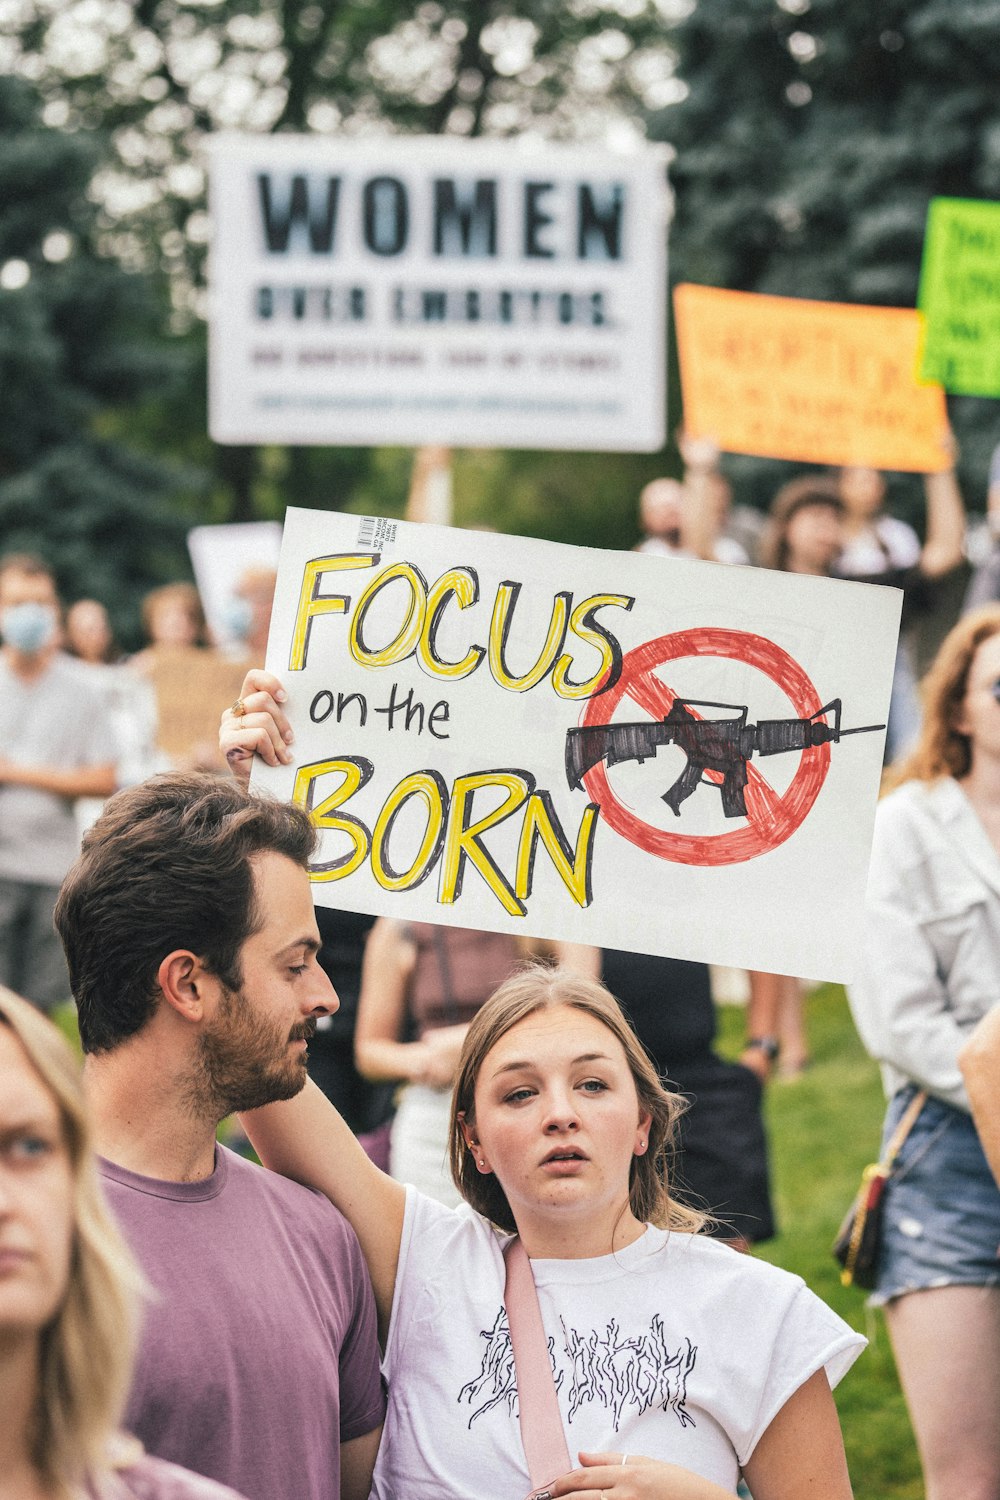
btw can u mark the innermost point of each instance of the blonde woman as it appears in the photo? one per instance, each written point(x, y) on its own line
point(67, 1292)
point(679, 1362)
point(929, 972)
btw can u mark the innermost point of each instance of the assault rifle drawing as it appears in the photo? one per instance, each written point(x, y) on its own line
point(721, 745)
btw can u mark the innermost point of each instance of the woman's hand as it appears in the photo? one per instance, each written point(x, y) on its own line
point(621, 1476)
point(256, 725)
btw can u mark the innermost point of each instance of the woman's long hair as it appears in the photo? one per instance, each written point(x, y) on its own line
point(86, 1350)
point(541, 987)
point(942, 750)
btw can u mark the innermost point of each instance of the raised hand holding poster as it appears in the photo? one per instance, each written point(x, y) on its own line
point(602, 747)
point(819, 382)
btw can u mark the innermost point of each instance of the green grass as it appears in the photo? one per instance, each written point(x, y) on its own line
point(823, 1128)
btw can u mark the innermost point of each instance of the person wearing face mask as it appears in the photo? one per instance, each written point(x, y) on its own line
point(56, 744)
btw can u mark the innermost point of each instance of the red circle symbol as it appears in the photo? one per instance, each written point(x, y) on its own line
point(772, 817)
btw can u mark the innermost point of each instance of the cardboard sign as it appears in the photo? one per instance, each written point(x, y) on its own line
point(960, 296)
point(820, 382)
point(612, 748)
point(435, 290)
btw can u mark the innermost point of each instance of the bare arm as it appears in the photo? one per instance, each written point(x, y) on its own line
point(305, 1138)
point(801, 1454)
point(579, 957)
point(357, 1464)
point(979, 1060)
point(78, 781)
point(385, 977)
point(944, 546)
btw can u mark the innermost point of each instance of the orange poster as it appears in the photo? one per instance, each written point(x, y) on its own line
point(820, 382)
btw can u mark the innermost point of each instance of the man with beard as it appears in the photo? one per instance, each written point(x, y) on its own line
point(189, 931)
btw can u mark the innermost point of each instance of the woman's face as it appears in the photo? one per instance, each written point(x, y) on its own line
point(862, 491)
point(557, 1119)
point(36, 1196)
point(979, 715)
point(88, 630)
point(814, 536)
point(172, 624)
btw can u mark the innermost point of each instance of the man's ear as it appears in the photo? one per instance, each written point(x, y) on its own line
point(182, 980)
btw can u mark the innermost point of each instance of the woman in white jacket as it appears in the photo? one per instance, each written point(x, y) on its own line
point(930, 971)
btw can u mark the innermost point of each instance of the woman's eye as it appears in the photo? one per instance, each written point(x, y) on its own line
point(594, 1085)
point(30, 1147)
point(517, 1095)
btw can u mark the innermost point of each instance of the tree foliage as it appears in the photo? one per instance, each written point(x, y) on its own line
point(811, 139)
point(78, 348)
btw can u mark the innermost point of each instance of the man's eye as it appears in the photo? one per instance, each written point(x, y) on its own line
point(298, 968)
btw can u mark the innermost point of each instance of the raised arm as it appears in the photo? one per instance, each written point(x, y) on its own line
point(944, 546)
point(305, 1138)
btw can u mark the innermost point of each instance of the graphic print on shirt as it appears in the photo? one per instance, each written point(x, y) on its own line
point(624, 1375)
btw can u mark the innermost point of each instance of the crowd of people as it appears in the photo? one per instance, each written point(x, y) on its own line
point(514, 1179)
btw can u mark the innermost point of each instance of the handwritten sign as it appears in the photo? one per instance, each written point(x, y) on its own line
point(437, 290)
point(612, 748)
point(821, 382)
point(960, 296)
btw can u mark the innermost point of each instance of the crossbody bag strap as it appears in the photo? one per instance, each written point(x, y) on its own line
point(902, 1130)
point(537, 1403)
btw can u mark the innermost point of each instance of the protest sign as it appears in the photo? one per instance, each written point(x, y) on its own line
point(960, 296)
point(821, 382)
point(612, 748)
point(437, 290)
point(224, 558)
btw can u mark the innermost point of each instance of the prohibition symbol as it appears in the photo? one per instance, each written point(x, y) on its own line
point(772, 817)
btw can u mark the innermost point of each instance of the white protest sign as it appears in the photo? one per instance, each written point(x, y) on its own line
point(612, 748)
point(433, 290)
point(222, 557)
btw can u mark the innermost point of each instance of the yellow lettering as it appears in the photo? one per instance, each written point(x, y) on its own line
point(462, 586)
point(405, 640)
point(356, 771)
point(312, 603)
point(500, 629)
point(582, 623)
point(573, 866)
point(463, 837)
point(430, 787)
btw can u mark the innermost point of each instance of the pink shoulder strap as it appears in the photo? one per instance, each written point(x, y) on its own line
point(537, 1403)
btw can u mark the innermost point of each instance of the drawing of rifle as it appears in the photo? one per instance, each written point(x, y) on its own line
point(721, 745)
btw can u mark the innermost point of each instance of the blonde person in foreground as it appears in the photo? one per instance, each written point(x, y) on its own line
point(68, 1289)
point(679, 1362)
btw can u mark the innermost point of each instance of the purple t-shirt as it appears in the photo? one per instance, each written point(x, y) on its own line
point(258, 1356)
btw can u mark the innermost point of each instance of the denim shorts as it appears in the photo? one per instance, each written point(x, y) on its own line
point(941, 1225)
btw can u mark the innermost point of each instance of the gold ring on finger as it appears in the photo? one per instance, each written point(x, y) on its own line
point(238, 709)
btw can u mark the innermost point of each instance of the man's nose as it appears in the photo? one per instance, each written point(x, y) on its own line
point(323, 998)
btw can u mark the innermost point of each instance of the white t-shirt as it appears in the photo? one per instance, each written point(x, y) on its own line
point(678, 1348)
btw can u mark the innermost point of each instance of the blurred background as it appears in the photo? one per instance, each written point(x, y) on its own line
point(806, 138)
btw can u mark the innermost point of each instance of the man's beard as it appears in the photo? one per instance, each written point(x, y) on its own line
point(244, 1060)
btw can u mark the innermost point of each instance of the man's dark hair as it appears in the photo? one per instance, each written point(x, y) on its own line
point(166, 866)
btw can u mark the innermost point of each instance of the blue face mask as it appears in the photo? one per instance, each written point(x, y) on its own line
point(30, 627)
point(237, 617)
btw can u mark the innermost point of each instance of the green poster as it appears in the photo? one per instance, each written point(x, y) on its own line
point(960, 296)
